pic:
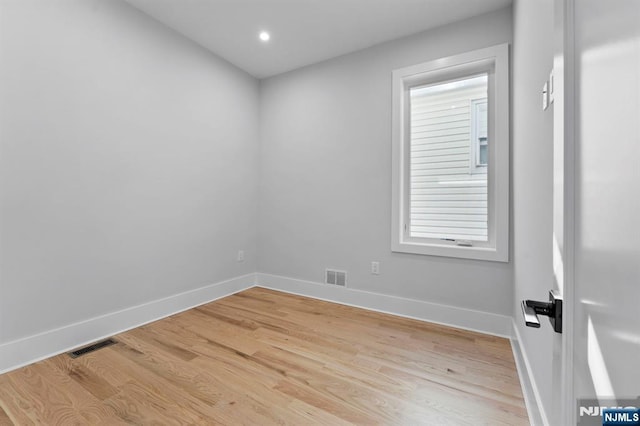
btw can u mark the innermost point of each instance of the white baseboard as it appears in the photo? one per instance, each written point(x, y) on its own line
point(484, 322)
point(535, 409)
point(34, 348)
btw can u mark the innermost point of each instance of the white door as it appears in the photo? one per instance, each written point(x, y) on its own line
point(599, 213)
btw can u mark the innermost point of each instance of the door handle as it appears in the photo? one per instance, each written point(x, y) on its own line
point(552, 309)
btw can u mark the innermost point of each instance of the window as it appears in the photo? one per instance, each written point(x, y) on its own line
point(451, 156)
point(479, 148)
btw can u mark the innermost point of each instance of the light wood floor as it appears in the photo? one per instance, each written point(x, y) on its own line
point(262, 357)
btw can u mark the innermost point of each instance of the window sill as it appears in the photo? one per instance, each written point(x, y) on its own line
point(450, 250)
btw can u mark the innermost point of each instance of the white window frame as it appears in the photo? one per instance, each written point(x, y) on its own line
point(494, 61)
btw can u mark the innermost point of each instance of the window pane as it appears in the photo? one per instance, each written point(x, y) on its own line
point(447, 192)
point(479, 133)
point(483, 151)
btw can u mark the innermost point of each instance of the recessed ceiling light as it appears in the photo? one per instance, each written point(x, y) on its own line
point(264, 36)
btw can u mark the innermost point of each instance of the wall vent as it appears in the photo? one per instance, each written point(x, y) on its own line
point(335, 277)
point(92, 347)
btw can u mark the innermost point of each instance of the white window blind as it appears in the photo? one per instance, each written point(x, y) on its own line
point(447, 160)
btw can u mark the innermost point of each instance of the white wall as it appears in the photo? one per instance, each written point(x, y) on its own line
point(128, 163)
point(533, 182)
point(325, 182)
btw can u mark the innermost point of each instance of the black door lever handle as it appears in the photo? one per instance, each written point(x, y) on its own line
point(552, 309)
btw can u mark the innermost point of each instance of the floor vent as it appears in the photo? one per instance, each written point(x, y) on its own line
point(335, 277)
point(93, 347)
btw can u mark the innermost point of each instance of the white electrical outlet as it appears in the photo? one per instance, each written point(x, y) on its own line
point(375, 268)
point(240, 255)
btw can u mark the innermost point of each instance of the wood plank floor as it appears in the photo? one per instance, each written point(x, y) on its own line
point(262, 357)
